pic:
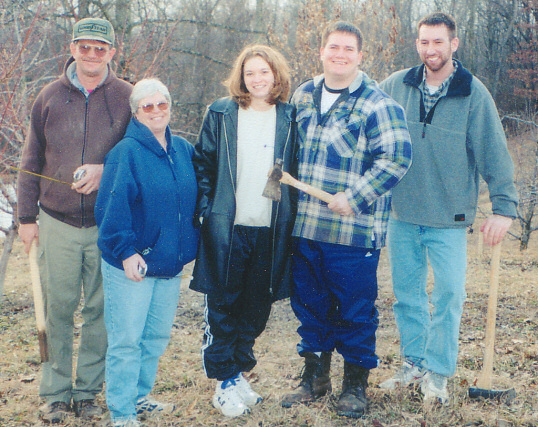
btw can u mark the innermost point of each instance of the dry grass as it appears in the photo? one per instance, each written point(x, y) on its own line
point(181, 378)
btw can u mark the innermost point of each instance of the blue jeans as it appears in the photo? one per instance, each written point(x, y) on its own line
point(428, 339)
point(334, 293)
point(138, 318)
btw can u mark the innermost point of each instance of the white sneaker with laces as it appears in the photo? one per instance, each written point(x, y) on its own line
point(227, 398)
point(248, 396)
point(408, 374)
point(434, 388)
point(147, 407)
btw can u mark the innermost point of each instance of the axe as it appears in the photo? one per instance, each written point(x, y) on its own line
point(38, 303)
point(277, 176)
point(483, 388)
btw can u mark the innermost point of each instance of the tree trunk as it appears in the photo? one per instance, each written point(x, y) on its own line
point(526, 227)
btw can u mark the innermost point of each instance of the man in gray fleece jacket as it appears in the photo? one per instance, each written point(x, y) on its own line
point(457, 136)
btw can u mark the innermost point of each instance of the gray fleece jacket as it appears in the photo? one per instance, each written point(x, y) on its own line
point(459, 139)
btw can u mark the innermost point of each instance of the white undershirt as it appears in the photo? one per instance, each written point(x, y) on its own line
point(327, 99)
point(255, 157)
point(432, 89)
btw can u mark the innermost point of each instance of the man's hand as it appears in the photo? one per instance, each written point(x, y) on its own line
point(90, 181)
point(494, 229)
point(340, 205)
point(27, 233)
point(131, 265)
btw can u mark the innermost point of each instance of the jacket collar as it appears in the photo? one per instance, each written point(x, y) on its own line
point(65, 78)
point(355, 84)
point(144, 136)
point(459, 86)
point(229, 109)
point(229, 106)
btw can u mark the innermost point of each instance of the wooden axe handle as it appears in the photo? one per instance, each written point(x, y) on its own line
point(38, 303)
point(316, 192)
point(485, 379)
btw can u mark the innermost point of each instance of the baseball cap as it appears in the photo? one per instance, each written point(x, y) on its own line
point(94, 29)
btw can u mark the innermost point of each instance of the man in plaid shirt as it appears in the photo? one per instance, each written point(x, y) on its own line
point(353, 143)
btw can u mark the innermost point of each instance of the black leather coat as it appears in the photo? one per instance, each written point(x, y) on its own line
point(215, 163)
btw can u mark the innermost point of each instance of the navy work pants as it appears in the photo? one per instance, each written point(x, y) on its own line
point(334, 293)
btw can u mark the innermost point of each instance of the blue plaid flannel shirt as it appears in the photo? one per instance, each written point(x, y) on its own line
point(361, 147)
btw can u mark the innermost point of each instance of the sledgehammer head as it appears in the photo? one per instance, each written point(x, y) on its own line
point(506, 396)
point(272, 188)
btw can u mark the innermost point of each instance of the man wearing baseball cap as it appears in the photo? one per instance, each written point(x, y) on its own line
point(74, 122)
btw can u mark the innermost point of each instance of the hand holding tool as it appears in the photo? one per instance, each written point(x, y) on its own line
point(277, 176)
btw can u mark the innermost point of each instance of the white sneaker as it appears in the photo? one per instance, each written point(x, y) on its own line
point(227, 398)
point(147, 407)
point(434, 388)
point(248, 396)
point(408, 374)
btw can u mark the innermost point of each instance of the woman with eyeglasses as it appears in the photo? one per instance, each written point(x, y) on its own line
point(243, 262)
point(144, 212)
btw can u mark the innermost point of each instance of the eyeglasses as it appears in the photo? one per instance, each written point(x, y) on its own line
point(148, 108)
point(99, 51)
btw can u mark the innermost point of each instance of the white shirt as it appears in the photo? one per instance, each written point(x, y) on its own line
point(255, 157)
point(328, 99)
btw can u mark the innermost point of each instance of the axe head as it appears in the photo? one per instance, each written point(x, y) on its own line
point(272, 188)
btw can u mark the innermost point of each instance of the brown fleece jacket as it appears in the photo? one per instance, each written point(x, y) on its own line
point(66, 131)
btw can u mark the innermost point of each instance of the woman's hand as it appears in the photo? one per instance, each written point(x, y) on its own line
point(131, 266)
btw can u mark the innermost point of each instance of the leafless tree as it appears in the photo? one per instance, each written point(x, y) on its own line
point(191, 46)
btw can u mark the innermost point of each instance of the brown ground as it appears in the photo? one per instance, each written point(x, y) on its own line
point(181, 378)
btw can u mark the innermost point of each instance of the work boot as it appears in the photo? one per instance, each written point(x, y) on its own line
point(87, 408)
point(352, 402)
point(315, 380)
point(55, 412)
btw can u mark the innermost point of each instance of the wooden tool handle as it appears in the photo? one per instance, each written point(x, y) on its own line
point(315, 192)
point(485, 379)
point(38, 303)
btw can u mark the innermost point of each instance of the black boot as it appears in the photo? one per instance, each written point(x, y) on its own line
point(352, 402)
point(315, 380)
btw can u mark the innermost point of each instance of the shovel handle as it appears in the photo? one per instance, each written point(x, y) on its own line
point(38, 303)
point(485, 379)
point(313, 191)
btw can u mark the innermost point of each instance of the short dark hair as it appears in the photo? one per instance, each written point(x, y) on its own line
point(440, 18)
point(342, 27)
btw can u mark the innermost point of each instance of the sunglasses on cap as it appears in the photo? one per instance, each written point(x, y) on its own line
point(148, 108)
point(99, 51)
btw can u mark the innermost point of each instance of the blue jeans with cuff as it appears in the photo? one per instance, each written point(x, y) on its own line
point(138, 318)
point(429, 338)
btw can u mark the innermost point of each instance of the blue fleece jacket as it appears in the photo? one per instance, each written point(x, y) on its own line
point(146, 202)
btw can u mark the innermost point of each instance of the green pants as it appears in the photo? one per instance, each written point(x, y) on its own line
point(70, 265)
